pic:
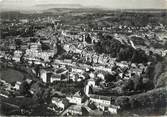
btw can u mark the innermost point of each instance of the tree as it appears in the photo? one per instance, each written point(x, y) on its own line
point(88, 39)
point(98, 48)
point(37, 70)
point(24, 88)
point(123, 102)
point(38, 94)
point(47, 95)
point(139, 56)
point(44, 46)
point(125, 53)
point(18, 43)
point(33, 40)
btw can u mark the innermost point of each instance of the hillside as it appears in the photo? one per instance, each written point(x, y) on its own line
point(49, 6)
point(149, 103)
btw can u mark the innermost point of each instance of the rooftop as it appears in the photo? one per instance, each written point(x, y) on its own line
point(100, 97)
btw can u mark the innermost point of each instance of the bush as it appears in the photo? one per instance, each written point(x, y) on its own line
point(123, 102)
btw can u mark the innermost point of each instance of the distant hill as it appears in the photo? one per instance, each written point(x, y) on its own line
point(49, 6)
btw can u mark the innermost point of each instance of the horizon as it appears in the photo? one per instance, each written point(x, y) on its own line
point(107, 4)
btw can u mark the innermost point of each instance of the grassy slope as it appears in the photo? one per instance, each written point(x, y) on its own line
point(11, 75)
point(153, 102)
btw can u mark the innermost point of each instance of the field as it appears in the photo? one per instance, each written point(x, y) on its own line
point(11, 75)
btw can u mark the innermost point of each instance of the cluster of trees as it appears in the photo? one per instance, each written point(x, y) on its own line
point(67, 88)
point(130, 54)
point(23, 31)
point(158, 73)
point(114, 48)
point(154, 100)
point(108, 45)
point(41, 94)
point(45, 46)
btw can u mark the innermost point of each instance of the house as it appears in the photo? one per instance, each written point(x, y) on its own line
point(84, 54)
point(55, 66)
point(100, 59)
point(75, 99)
point(24, 47)
point(86, 111)
point(90, 83)
point(58, 102)
point(17, 85)
point(105, 60)
point(78, 50)
point(23, 20)
point(88, 58)
point(76, 77)
point(12, 47)
point(113, 109)
point(67, 60)
point(101, 76)
point(72, 48)
point(77, 70)
point(16, 59)
point(101, 101)
point(35, 46)
point(17, 55)
point(66, 47)
point(35, 53)
point(55, 77)
point(45, 75)
point(80, 46)
point(74, 110)
point(95, 58)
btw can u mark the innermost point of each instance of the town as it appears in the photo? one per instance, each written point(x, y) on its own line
point(86, 62)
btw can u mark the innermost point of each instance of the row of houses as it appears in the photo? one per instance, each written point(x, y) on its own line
point(101, 102)
point(36, 54)
point(89, 56)
point(50, 76)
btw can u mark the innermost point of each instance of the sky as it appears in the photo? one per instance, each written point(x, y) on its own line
point(113, 4)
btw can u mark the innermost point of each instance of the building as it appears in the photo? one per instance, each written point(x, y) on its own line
point(95, 58)
point(90, 83)
point(58, 102)
point(16, 59)
point(75, 99)
point(74, 110)
point(35, 46)
point(55, 77)
point(113, 109)
point(101, 101)
point(17, 55)
point(100, 59)
point(77, 70)
point(86, 111)
point(45, 75)
point(17, 85)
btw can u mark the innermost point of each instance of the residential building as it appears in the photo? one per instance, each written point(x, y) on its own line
point(45, 75)
point(75, 99)
point(58, 102)
point(74, 110)
point(102, 101)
